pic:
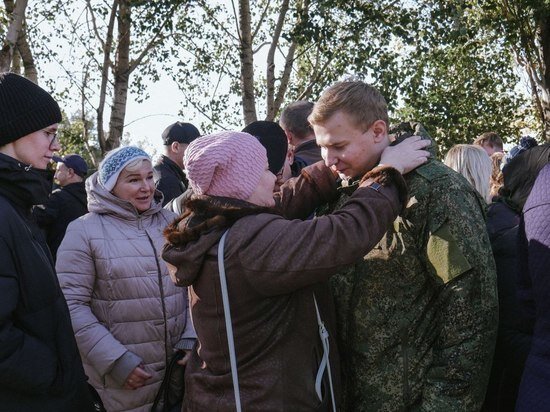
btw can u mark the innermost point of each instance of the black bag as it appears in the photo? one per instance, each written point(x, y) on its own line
point(97, 402)
point(172, 387)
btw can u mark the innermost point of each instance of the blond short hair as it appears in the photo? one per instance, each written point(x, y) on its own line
point(359, 100)
point(474, 164)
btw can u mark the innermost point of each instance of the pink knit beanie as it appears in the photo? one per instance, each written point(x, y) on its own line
point(228, 164)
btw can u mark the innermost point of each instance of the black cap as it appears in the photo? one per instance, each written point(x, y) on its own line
point(24, 108)
point(180, 132)
point(273, 138)
point(75, 162)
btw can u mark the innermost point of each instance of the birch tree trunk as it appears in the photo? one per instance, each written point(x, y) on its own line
point(27, 57)
point(14, 29)
point(246, 57)
point(121, 76)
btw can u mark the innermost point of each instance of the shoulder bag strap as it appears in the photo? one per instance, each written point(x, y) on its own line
point(228, 326)
point(325, 362)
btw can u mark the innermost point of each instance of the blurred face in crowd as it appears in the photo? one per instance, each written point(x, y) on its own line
point(347, 148)
point(263, 194)
point(62, 174)
point(285, 173)
point(136, 185)
point(490, 149)
point(35, 149)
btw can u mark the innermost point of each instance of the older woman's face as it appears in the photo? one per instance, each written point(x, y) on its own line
point(263, 194)
point(136, 186)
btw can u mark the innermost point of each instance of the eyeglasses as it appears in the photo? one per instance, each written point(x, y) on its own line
point(52, 136)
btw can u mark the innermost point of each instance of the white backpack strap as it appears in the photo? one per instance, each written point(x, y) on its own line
point(325, 362)
point(228, 326)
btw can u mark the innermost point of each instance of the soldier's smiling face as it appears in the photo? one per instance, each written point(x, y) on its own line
point(347, 148)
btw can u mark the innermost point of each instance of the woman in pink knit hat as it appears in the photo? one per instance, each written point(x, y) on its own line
point(276, 271)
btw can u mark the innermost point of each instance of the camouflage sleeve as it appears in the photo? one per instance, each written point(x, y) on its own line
point(459, 254)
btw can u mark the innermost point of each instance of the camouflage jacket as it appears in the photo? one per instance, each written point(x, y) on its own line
point(417, 317)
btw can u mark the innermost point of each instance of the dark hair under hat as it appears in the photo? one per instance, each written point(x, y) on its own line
point(24, 108)
point(180, 132)
point(75, 162)
point(273, 138)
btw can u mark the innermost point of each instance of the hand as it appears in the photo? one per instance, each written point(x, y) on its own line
point(137, 378)
point(407, 155)
point(183, 361)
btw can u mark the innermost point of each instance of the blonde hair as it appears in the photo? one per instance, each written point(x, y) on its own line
point(135, 165)
point(361, 101)
point(474, 164)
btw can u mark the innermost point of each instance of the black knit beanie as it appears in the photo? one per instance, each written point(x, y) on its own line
point(273, 138)
point(24, 108)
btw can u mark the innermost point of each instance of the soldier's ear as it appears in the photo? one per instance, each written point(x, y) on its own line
point(175, 146)
point(380, 131)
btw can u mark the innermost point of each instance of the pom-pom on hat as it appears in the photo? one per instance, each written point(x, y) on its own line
point(228, 164)
point(115, 161)
point(24, 108)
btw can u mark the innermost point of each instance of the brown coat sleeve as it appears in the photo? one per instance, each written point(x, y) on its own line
point(299, 196)
point(280, 256)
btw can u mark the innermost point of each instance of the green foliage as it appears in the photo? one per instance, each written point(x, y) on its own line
point(460, 82)
point(71, 138)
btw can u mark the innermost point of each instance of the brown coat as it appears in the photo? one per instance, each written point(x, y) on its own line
point(273, 266)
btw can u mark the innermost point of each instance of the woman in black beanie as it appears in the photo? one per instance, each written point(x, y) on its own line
point(40, 367)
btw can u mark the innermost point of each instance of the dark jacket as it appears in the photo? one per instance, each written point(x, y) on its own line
point(273, 267)
point(169, 179)
point(305, 154)
point(534, 393)
point(514, 332)
point(40, 368)
point(64, 205)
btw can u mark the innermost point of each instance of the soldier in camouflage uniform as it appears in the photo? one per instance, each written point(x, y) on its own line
point(417, 317)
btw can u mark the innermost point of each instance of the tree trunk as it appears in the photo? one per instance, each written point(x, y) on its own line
point(121, 76)
point(12, 34)
point(247, 63)
point(26, 55)
point(107, 47)
point(270, 75)
point(544, 25)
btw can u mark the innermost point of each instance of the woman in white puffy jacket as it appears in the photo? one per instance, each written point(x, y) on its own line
point(127, 315)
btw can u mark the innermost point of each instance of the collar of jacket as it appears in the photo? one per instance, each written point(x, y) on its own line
point(203, 214)
point(22, 184)
point(173, 166)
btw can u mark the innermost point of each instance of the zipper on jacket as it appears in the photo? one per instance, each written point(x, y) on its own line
point(161, 289)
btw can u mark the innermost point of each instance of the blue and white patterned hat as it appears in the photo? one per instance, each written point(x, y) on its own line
point(115, 161)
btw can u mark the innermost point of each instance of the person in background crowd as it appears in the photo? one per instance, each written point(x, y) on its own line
point(514, 329)
point(300, 135)
point(474, 164)
point(273, 138)
point(66, 203)
point(276, 269)
point(490, 142)
point(497, 179)
point(169, 176)
point(40, 368)
point(534, 391)
point(417, 316)
point(525, 143)
point(127, 315)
